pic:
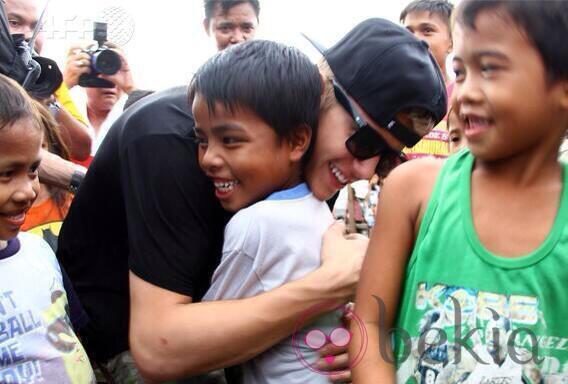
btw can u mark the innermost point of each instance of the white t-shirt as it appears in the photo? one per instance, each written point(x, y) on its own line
point(80, 98)
point(268, 244)
point(37, 343)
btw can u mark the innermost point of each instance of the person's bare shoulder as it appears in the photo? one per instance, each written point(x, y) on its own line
point(413, 182)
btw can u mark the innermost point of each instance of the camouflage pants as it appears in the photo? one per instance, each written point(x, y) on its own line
point(123, 370)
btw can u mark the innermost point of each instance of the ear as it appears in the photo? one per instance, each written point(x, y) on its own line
point(564, 94)
point(322, 80)
point(299, 142)
point(206, 22)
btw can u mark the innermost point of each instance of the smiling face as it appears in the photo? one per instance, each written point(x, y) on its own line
point(236, 25)
point(20, 145)
point(501, 90)
point(332, 166)
point(243, 155)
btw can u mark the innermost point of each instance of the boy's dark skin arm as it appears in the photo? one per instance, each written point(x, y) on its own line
point(403, 201)
point(171, 337)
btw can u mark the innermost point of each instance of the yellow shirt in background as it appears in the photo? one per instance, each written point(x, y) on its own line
point(434, 144)
point(64, 98)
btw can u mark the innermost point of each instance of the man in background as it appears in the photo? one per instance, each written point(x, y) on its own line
point(22, 18)
point(101, 106)
point(429, 21)
point(230, 22)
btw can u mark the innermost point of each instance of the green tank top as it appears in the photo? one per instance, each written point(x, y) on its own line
point(470, 316)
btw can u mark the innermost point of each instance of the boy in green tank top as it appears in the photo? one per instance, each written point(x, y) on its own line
point(466, 272)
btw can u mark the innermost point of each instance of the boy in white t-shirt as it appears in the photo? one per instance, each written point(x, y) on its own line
point(255, 107)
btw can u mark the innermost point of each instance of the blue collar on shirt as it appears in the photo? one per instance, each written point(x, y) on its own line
point(11, 249)
point(296, 192)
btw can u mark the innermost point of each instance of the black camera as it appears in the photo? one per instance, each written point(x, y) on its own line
point(103, 60)
point(38, 75)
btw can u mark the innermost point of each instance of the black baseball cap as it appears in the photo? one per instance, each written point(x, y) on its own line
point(386, 70)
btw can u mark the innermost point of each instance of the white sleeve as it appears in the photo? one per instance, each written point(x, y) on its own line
point(236, 276)
point(42, 250)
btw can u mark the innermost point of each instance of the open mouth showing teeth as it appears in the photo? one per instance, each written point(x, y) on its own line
point(225, 186)
point(338, 175)
point(477, 122)
point(15, 218)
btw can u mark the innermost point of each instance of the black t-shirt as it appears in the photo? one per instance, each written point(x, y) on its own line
point(144, 205)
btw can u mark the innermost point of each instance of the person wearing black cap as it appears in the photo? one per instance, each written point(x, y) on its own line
point(158, 224)
point(386, 83)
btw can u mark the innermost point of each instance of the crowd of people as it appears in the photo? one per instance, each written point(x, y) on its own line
point(187, 235)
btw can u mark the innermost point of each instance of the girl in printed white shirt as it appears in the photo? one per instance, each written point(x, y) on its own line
point(37, 342)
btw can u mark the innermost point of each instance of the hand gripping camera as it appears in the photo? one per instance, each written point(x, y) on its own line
point(103, 60)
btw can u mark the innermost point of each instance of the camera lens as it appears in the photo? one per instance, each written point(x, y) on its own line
point(106, 61)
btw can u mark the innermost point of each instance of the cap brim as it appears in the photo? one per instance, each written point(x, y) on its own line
point(316, 45)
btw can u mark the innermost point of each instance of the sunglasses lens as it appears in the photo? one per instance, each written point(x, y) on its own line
point(365, 143)
point(417, 120)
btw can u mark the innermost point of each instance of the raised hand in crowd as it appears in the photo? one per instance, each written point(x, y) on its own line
point(79, 62)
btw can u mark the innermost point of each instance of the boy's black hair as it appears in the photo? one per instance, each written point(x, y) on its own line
point(545, 24)
point(15, 104)
point(442, 8)
point(278, 83)
point(209, 6)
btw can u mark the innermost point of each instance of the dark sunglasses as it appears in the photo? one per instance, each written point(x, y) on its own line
point(366, 143)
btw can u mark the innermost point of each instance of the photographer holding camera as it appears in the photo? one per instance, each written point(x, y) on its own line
point(22, 17)
point(105, 94)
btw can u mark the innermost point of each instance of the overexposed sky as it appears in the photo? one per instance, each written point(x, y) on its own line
point(165, 42)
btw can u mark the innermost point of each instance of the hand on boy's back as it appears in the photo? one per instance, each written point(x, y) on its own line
point(339, 367)
point(343, 255)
